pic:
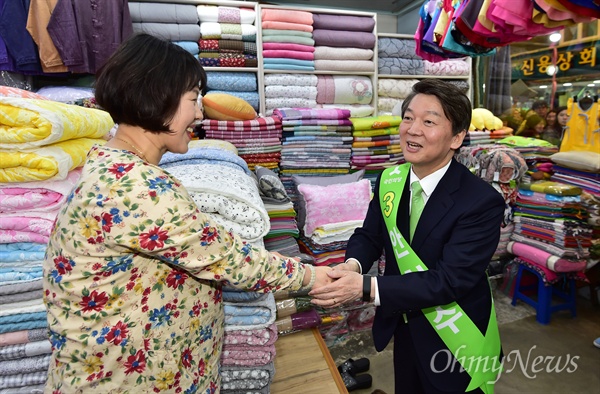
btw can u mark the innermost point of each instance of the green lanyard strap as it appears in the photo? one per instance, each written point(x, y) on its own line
point(476, 353)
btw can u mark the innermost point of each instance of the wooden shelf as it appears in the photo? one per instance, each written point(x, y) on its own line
point(303, 365)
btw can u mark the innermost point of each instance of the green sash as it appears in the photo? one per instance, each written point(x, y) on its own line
point(477, 354)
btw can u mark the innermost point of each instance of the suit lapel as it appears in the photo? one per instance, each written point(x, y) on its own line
point(439, 204)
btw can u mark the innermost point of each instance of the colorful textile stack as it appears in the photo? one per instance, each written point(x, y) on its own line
point(227, 36)
point(247, 360)
point(315, 142)
point(344, 43)
point(287, 39)
point(551, 231)
point(258, 141)
point(284, 229)
point(42, 143)
point(376, 144)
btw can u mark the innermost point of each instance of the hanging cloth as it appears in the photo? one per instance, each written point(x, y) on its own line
point(583, 128)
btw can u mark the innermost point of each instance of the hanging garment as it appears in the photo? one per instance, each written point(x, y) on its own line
point(583, 128)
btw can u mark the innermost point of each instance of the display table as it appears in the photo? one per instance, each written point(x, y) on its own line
point(304, 365)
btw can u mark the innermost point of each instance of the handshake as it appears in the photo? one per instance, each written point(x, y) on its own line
point(336, 286)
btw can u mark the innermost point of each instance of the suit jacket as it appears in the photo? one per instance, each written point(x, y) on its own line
point(456, 236)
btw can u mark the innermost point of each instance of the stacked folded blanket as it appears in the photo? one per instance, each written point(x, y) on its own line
point(43, 143)
point(247, 360)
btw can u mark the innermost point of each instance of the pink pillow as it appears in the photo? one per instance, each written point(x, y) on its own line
point(335, 203)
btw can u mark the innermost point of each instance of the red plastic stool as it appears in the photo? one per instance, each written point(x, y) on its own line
point(545, 293)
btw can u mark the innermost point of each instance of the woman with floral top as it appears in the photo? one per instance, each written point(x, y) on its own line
point(133, 271)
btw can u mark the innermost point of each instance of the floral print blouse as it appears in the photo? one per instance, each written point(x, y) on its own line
point(132, 282)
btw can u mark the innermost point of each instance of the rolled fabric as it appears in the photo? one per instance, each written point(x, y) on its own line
point(545, 259)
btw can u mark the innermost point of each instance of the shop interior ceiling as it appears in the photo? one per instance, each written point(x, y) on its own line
point(378, 6)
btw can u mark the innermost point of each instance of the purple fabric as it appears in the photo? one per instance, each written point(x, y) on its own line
point(86, 33)
point(343, 22)
point(349, 39)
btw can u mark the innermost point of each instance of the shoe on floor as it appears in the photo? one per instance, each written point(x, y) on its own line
point(363, 381)
point(597, 342)
point(354, 367)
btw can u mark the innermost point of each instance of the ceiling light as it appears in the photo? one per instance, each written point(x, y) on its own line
point(591, 84)
point(567, 84)
point(543, 87)
point(554, 37)
point(551, 69)
point(597, 81)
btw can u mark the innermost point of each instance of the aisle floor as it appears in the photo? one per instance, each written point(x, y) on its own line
point(565, 341)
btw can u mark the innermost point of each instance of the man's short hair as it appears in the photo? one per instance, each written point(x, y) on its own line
point(539, 104)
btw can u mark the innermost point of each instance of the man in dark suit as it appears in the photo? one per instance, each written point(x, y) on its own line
point(421, 305)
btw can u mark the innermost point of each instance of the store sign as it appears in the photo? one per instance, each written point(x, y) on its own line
point(572, 60)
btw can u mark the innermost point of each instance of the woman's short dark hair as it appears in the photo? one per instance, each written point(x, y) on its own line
point(141, 84)
point(455, 103)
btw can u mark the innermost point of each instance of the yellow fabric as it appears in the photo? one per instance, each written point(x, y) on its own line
point(583, 128)
point(30, 123)
point(53, 161)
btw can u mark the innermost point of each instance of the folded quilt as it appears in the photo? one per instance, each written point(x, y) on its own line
point(257, 337)
point(247, 379)
point(341, 38)
point(223, 14)
point(21, 251)
point(30, 123)
point(229, 196)
point(227, 46)
point(344, 89)
point(162, 12)
point(26, 325)
point(286, 46)
point(261, 123)
point(293, 16)
point(343, 22)
point(239, 81)
point(247, 355)
point(23, 336)
point(252, 315)
point(397, 47)
point(217, 59)
point(205, 156)
point(227, 31)
point(22, 350)
point(23, 379)
point(311, 113)
point(344, 65)
point(275, 53)
point(291, 79)
point(23, 308)
point(25, 365)
point(21, 296)
point(48, 162)
point(15, 288)
point(169, 31)
point(305, 92)
point(335, 53)
point(43, 195)
point(400, 66)
point(275, 25)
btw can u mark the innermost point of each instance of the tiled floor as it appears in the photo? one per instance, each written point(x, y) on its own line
point(571, 363)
